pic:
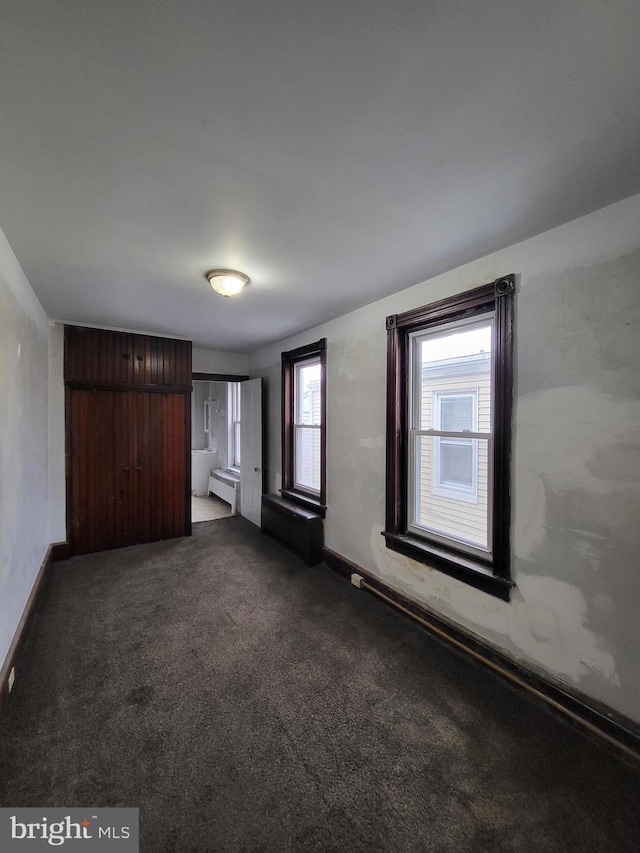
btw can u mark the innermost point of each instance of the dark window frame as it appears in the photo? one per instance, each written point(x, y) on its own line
point(492, 575)
point(290, 359)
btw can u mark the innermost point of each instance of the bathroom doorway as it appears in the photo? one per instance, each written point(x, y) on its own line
point(216, 418)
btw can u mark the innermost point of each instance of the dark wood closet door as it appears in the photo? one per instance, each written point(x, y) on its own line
point(128, 467)
point(176, 465)
point(100, 457)
point(160, 481)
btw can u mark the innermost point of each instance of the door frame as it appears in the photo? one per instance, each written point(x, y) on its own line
point(247, 488)
point(206, 377)
point(219, 377)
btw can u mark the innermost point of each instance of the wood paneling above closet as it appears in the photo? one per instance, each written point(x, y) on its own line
point(98, 357)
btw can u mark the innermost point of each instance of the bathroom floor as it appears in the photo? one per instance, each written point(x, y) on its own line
point(208, 509)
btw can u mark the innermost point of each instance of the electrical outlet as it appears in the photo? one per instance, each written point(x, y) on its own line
point(12, 678)
point(357, 580)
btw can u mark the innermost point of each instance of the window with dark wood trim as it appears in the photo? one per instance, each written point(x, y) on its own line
point(304, 403)
point(449, 410)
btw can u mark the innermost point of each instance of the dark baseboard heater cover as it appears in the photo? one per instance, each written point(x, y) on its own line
point(300, 529)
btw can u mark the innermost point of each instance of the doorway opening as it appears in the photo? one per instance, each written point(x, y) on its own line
point(216, 460)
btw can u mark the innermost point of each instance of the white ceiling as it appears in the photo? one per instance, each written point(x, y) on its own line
point(336, 151)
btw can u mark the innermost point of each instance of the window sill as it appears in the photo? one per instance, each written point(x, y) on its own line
point(463, 568)
point(305, 501)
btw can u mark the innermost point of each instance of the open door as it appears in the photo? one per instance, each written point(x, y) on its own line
point(251, 450)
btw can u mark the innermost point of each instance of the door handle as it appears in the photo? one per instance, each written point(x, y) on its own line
point(256, 470)
point(127, 468)
point(138, 467)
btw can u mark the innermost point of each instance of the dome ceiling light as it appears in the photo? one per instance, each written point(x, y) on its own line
point(227, 282)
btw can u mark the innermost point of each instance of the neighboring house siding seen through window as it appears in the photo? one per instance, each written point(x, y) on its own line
point(303, 425)
point(449, 434)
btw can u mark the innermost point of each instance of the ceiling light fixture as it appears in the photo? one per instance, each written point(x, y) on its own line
point(227, 282)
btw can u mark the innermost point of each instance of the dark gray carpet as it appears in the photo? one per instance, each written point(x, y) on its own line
point(247, 703)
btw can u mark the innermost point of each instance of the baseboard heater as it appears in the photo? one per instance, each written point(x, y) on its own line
point(300, 529)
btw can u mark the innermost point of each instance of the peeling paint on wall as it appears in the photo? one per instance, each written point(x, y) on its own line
point(545, 622)
point(576, 460)
point(561, 431)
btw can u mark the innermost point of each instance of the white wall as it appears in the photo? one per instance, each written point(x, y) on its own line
point(218, 391)
point(57, 473)
point(576, 471)
point(24, 464)
point(216, 361)
point(199, 394)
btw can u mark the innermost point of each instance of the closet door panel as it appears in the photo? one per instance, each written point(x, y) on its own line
point(127, 467)
point(124, 429)
point(160, 479)
point(175, 434)
point(77, 514)
point(102, 480)
point(100, 461)
point(149, 472)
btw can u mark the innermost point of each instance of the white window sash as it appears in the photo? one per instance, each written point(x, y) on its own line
point(414, 499)
point(298, 463)
point(415, 390)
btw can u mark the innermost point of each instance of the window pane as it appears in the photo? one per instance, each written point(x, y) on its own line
point(456, 413)
point(303, 405)
point(307, 458)
point(451, 363)
point(235, 415)
point(236, 443)
point(307, 392)
point(456, 464)
point(449, 495)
